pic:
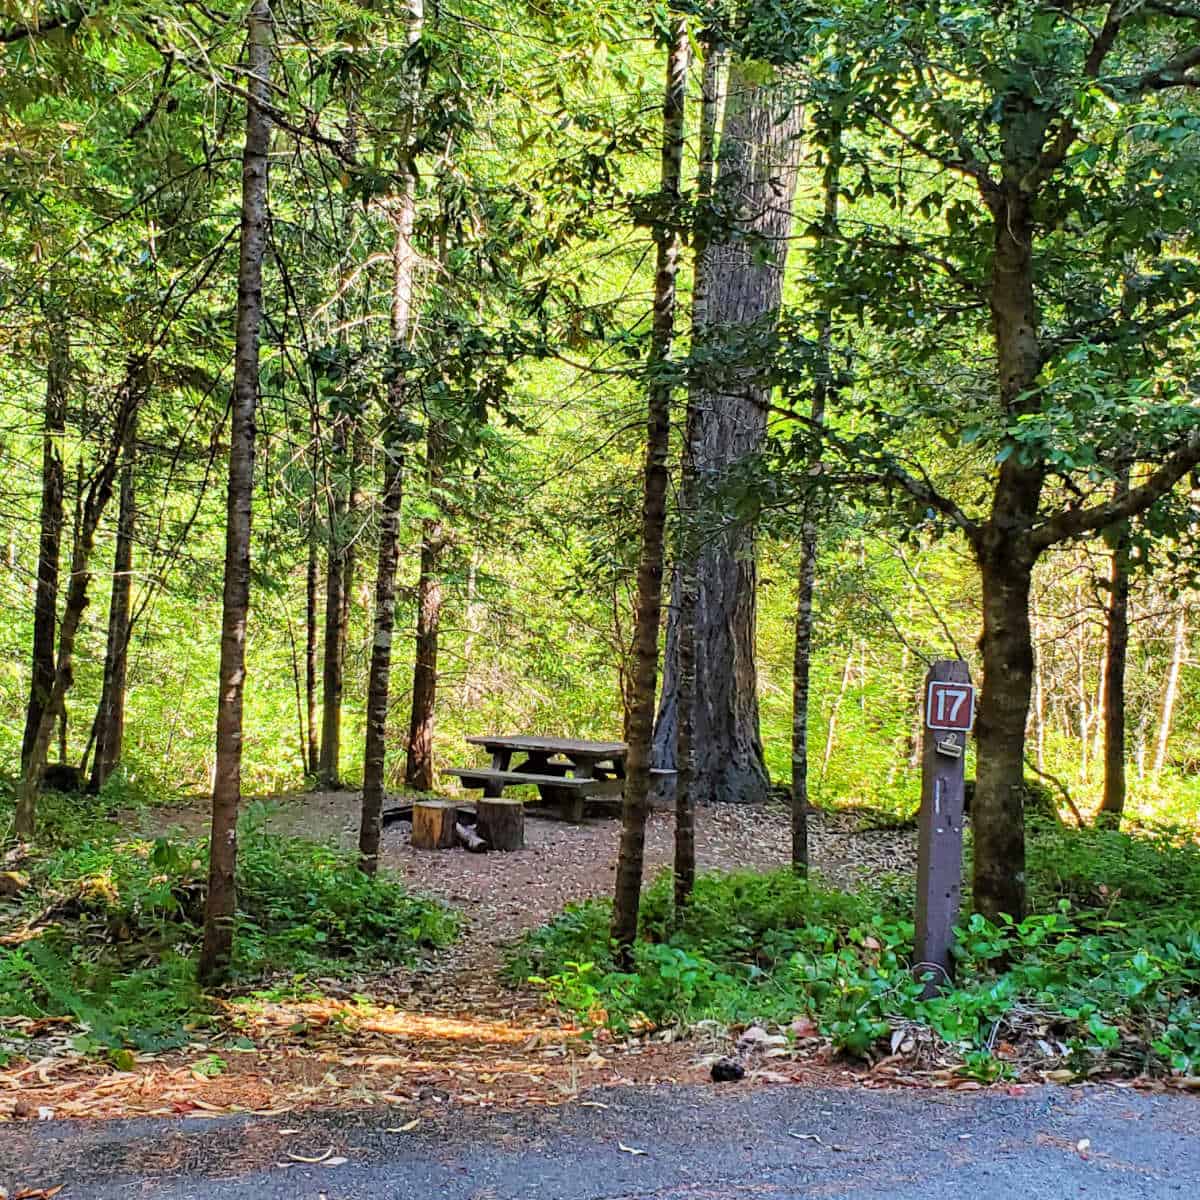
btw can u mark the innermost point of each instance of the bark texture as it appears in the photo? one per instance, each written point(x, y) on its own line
point(418, 771)
point(743, 265)
point(221, 901)
point(110, 718)
point(45, 601)
point(1116, 655)
point(93, 501)
point(823, 393)
point(1003, 546)
point(311, 655)
point(336, 609)
point(375, 749)
point(685, 580)
point(635, 807)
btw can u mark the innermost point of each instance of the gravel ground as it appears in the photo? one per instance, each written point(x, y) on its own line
point(671, 1143)
point(501, 895)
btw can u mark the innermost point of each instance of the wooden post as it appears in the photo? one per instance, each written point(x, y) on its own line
point(502, 823)
point(433, 824)
point(949, 705)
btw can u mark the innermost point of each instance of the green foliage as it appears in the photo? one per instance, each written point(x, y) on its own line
point(1109, 970)
point(117, 923)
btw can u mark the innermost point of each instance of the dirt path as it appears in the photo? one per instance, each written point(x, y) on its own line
point(449, 1028)
point(503, 895)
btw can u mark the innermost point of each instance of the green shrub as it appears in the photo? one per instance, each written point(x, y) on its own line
point(119, 921)
point(1118, 984)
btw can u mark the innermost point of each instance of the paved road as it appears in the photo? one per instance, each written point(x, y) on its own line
point(707, 1143)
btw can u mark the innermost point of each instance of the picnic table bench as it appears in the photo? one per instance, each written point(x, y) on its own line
point(565, 771)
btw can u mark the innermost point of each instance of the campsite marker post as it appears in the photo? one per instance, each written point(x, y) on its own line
point(948, 713)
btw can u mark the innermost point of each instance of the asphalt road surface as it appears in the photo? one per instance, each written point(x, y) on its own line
point(699, 1143)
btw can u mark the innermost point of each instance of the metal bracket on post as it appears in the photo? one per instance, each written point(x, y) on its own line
point(949, 714)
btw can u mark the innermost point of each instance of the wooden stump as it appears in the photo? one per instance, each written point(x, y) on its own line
point(433, 824)
point(502, 823)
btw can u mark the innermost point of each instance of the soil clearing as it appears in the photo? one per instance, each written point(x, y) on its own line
point(448, 1028)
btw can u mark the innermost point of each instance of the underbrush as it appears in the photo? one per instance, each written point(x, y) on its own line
point(105, 931)
point(1104, 976)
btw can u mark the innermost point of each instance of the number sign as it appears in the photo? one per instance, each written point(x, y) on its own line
point(950, 706)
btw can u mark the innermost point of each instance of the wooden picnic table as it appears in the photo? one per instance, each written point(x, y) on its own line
point(566, 771)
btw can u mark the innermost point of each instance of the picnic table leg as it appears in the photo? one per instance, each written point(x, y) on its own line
point(493, 789)
point(572, 801)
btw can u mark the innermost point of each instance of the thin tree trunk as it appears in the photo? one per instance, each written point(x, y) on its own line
point(685, 757)
point(374, 753)
point(418, 771)
point(332, 673)
point(635, 809)
point(1170, 691)
point(45, 603)
point(1039, 690)
point(110, 717)
point(469, 692)
point(831, 727)
point(823, 393)
point(221, 902)
point(1081, 696)
point(311, 655)
point(743, 266)
point(1112, 806)
point(94, 501)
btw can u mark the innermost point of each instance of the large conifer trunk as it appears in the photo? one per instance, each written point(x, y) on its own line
point(221, 901)
point(743, 266)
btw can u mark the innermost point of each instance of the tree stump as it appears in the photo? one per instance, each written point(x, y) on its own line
point(502, 823)
point(433, 824)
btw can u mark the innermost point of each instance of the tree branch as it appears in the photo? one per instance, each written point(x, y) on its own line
point(1068, 132)
point(1173, 73)
point(1079, 521)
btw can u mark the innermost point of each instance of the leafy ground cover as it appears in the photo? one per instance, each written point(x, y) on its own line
point(1105, 976)
point(102, 927)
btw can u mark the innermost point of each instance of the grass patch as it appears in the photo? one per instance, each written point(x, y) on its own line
point(115, 925)
point(1106, 975)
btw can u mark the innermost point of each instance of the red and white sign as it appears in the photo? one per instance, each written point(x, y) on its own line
point(950, 706)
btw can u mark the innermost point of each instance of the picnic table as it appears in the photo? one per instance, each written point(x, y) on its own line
point(565, 771)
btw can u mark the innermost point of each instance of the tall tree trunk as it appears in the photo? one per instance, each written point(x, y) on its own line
point(336, 611)
point(1170, 691)
point(635, 808)
point(685, 581)
point(402, 215)
point(418, 771)
point(1112, 805)
point(94, 501)
point(1003, 551)
point(45, 602)
point(110, 717)
point(823, 393)
point(756, 175)
point(221, 902)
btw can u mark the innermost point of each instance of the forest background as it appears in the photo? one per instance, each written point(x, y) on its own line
point(519, 524)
